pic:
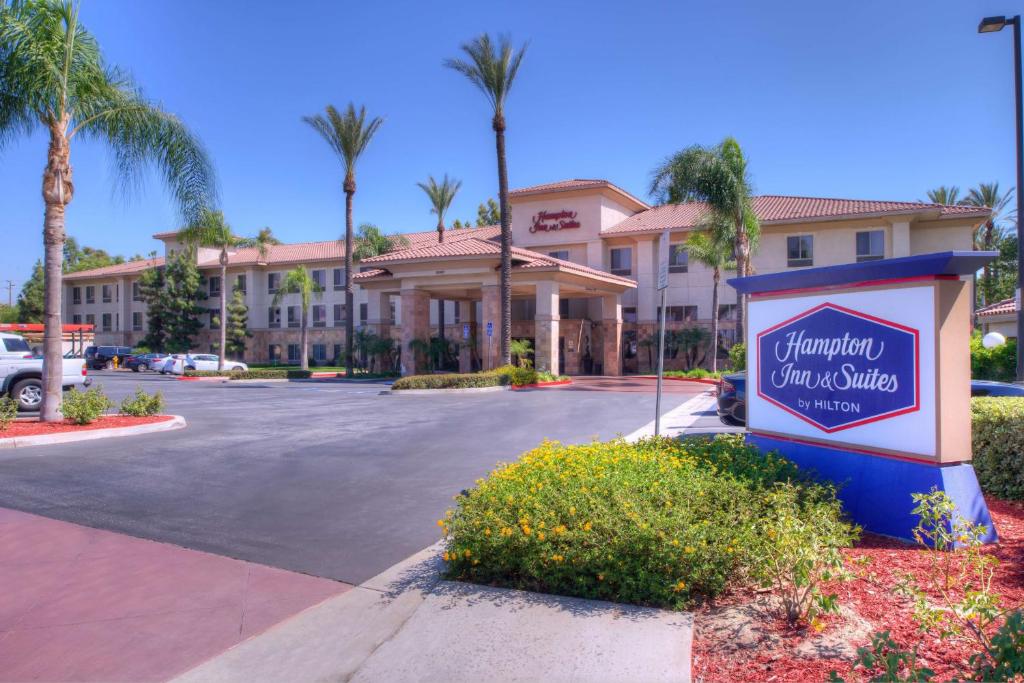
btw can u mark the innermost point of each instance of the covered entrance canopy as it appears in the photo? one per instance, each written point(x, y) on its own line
point(467, 271)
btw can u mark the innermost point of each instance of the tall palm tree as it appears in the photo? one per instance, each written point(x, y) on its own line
point(944, 195)
point(441, 196)
point(212, 231)
point(348, 135)
point(53, 78)
point(299, 281)
point(713, 247)
point(370, 241)
point(717, 176)
point(987, 236)
point(492, 68)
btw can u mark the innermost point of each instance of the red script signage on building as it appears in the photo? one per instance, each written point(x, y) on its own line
point(549, 221)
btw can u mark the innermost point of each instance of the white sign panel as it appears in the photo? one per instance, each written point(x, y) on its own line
point(663, 254)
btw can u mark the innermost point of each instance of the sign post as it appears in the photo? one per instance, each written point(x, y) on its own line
point(490, 333)
point(662, 287)
point(861, 373)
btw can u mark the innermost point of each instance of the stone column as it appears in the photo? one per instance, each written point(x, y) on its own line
point(900, 239)
point(611, 334)
point(490, 347)
point(415, 325)
point(546, 327)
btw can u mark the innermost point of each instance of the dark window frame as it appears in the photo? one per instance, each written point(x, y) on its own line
point(804, 257)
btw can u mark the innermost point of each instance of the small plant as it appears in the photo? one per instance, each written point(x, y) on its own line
point(887, 662)
point(142, 404)
point(85, 407)
point(738, 357)
point(518, 376)
point(1003, 660)
point(8, 411)
point(522, 349)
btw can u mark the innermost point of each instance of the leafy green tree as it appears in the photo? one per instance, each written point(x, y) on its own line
point(55, 80)
point(989, 234)
point(370, 242)
point(77, 258)
point(713, 248)
point(211, 230)
point(441, 196)
point(173, 307)
point(493, 68)
point(299, 281)
point(1004, 268)
point(238, 325)
point(8, 314)
point(348, 135)
point(488, 214)
point(31, 301)
point(719, 177)
point(151, 289)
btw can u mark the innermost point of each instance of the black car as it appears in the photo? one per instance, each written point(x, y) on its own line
point(732, 395)
point(144, 361)
point(102, 357)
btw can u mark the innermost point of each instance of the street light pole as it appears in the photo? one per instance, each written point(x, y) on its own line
point(991, 25)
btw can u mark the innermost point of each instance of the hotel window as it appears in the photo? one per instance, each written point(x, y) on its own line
point(799, 251)
point(391, 309)
point(563, 308)
point(339, 315)
point(137, 321)
point(107, 292)
point(136, 291)
point(90, 295)
point(339, 279)
point(293, 316)
point(107, 322)
point(293, 353)
point(90, 319)
point(273, 317)
point(629, 314)
point(76, 295)
point(273, 282)
point(562, 254)
point(678, 258)
point(727, 311)
point(622, 261)
point(319, 315)
point(76, 319)
point(320, 279)
point(679, 314)
point(274, 353)
point(458, 312)
point(214, 285)
point(214, 320)
point(319, 352)
point(870, 245)
point(364, 310)
point(240, 284)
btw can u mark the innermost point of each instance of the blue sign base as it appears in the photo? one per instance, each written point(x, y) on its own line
point(875, 490)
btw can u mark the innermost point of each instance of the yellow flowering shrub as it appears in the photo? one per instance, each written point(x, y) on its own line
point(659, 522)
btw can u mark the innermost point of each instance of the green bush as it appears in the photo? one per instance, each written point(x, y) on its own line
point(659, 522)
point(518, 376)
point(8, 411)
point(142, 404)
point(695, 373)
point(997, 364)
point(258, 373)
point(84, 407)
point(452, 381)
point(738, 357)
point(998, 444)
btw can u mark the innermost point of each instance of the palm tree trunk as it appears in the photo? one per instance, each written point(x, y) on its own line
point(222, 348)
point(304, 336)
point(505, 284)
point(742, 267)
point(714, 319)
point(350, 319)
point(440, 302)
point(57, 192)
point(986, 286)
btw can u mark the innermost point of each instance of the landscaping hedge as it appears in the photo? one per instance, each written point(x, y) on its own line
point(257, 373)
point(695, 373)
point(998, 445)
point(451, 381)
point(660, 522)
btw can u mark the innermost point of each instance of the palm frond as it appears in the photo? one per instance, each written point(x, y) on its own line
point(441, 194)
point(348, 133)
point(490, 67)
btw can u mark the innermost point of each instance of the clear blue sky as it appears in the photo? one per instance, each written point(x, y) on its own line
point(874, 99)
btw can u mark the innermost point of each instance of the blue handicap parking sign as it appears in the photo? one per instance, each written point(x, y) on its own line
point(490, 329)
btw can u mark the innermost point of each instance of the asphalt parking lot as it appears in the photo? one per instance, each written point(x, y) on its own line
point(330, 479)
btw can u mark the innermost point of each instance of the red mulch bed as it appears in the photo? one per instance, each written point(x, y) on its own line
point(772, 655)
point(35, 428)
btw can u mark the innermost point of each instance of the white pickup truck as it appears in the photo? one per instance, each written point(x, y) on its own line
point(21, 376)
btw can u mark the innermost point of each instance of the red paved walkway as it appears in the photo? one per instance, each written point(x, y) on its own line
point(81, 604)
point(640, 385)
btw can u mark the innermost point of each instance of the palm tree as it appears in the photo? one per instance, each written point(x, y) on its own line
point(348, 135)
point(987, 236)
point(371, 241)
point(212, 231)
point(492, 68)
point(299, 281)
point(719, 177)
point(54, 79)
point(441, 196)
point(713, 248)
point(944, 195)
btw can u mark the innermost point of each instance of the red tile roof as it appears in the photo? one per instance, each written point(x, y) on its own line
point(785, 209)
point(117, 270)
point(1004, 307)
point(573, 184)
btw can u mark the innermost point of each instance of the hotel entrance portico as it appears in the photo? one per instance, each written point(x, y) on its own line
point(467, 271)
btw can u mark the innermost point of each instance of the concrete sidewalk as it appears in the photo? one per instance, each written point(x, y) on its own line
point(409, 625)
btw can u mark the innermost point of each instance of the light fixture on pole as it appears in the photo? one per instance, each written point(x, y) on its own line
point(993, 25)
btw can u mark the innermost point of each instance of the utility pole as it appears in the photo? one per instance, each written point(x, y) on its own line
point(10, 293)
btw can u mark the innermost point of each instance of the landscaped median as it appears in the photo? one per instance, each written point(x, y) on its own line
point(506, 377)
point(275, 374)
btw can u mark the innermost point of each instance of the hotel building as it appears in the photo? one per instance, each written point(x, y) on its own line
point(583, 277)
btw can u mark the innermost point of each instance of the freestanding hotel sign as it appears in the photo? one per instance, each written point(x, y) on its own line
point(861, 372)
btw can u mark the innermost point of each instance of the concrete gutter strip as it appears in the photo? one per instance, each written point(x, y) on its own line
point(176, 422)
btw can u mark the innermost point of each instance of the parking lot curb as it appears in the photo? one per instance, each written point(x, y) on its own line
point(435, 392)
point(176, 422)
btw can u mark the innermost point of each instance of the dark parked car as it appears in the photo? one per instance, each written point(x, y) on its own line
point(102, 357)
point(144, 361)
point(732, 395)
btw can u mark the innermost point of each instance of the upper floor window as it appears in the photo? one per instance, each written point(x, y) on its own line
point(622, 260)
point(679, 314)
point(320, 278)
point(319, 315)
point(870, 245)
point(107, 293)
point(107, 322)
point(76, 295)
point(364, 311)
point(799, 250)
point(215, 285)
point(76, 319)
point(240, 284)
point(339, 278)
point(214, 319)
point(727, 311)
point(562, 254)
point(678, 258)
point(273, 282)
point(293, 316)
point(90, 295)
point(136, 291)
point(90, 319)
point(136, 321)
point(274, 317)
point(339, 315)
